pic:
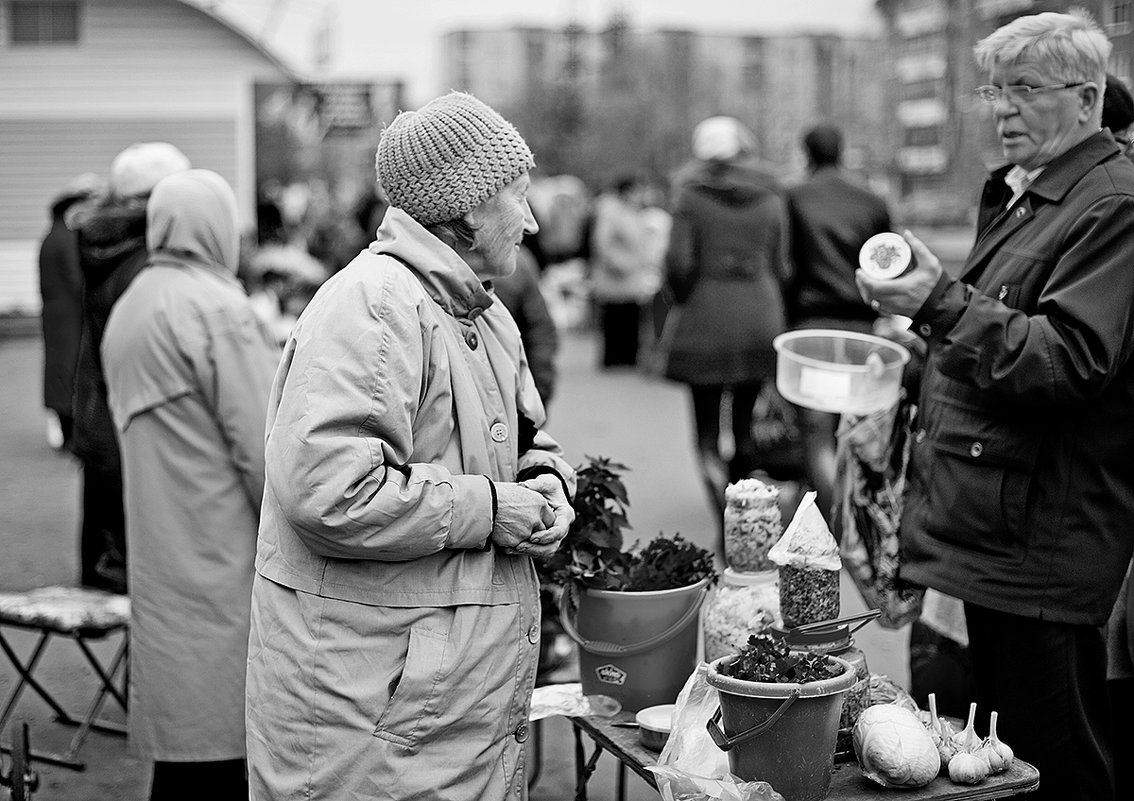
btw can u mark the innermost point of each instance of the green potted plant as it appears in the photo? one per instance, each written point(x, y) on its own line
point(633, 611)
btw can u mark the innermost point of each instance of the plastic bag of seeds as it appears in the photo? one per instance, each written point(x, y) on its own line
point(809, 564)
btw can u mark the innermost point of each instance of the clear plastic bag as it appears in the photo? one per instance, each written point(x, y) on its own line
point(691, 767)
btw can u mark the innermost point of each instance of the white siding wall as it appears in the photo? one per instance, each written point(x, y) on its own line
point(143, 70)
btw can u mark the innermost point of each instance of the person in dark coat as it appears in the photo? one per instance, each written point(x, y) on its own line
point(521, 295)
point(1118, 116)
point(61, 288)
point(112, 250)
point(830, 218)
point(1021, 488)
point(724, 268)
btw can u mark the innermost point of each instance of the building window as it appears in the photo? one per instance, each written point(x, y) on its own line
point(1116, 17)
point(38, 23)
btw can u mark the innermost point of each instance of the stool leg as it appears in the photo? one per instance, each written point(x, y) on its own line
point(107, 677)
point(27, 680)
point(107, 687)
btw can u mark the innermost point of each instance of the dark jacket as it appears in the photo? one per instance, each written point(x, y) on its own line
point(521, 295)
point(830, 219)
point(725, 267)
point(61, 288)
point(112, 251)
point(1021, 493)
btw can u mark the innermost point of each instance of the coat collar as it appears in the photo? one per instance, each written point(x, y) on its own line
point(996, 223)
point(1064, 171)
point(444, 275)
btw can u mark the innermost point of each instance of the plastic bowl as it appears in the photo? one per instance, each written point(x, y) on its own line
point(654, 724)
point(839, 371)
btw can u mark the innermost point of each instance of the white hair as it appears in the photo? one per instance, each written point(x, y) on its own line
point(1070, 46)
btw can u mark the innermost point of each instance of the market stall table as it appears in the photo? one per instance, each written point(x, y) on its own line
point(847, 783)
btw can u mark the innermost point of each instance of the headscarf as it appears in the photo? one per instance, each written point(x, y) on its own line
point(191, 216)
point(721, 139)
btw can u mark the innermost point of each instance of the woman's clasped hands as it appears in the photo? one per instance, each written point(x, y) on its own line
point(532, 516)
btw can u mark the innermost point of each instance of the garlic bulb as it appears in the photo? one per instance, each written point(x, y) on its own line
point(942, 734)
point(967, 768)
point(999, 753)
point(967, 740)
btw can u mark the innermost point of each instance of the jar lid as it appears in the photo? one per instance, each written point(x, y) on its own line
point(828, 640)
point(762, 578)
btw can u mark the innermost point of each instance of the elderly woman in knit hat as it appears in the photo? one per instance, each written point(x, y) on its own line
point(395, 614)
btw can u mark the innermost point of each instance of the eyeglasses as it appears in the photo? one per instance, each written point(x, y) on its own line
point(1018, 92)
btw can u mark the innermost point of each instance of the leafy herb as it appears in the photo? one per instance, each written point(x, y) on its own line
point(591, 554)
point(767, 659)
point(667, 563)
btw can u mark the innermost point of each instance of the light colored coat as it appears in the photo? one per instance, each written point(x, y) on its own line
point(188, 368)
point(393, 649)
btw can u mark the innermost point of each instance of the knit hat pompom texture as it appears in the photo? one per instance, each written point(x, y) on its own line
point(440, 162)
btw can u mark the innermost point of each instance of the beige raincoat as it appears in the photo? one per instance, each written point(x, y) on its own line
point(188, 368)
point(393, 648)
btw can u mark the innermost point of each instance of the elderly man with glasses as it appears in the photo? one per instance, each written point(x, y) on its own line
point(1020, 499)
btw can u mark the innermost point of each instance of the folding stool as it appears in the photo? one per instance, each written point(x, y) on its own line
point(81, 615)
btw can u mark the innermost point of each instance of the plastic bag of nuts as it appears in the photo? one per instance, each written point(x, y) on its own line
point(809, 564)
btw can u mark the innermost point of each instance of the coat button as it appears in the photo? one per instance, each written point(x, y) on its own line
point(1020, 212)
point(924, 329)
point(921, 435)
point(521, 733)
point(976, 449)
point(499, 432)
point(533, 633)
point(472, 339)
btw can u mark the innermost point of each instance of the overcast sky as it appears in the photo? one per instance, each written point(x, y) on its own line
point(401, 38)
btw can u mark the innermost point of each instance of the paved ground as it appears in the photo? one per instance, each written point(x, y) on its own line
point(625, 415)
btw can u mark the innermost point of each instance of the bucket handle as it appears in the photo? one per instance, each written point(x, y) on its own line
point(569, 599)
point(724, 742)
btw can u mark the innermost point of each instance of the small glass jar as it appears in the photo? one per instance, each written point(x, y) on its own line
point(836, 641)
point(752, 525)
point(744, 604)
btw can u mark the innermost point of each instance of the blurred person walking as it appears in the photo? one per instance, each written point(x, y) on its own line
point(188, 368)
point(620, 278)
point(61, 289)
point(1021, 485)
point(830, 219)
point(112, 251)
point(725, 268)
point(521, 294)
point(395, 613)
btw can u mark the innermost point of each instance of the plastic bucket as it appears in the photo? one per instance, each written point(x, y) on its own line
point(783, 734)
point(844, 372)
point(637, 647)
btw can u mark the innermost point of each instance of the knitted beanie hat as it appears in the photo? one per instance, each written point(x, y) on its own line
point(439, 162)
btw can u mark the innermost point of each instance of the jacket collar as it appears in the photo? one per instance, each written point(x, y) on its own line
point(1065, 170)
point(444, 275)
point(995, 223)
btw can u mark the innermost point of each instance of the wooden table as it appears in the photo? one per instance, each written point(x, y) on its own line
point(847, 783)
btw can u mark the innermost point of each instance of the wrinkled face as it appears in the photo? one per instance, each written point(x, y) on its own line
point(501, 222)
point(1036, 129)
